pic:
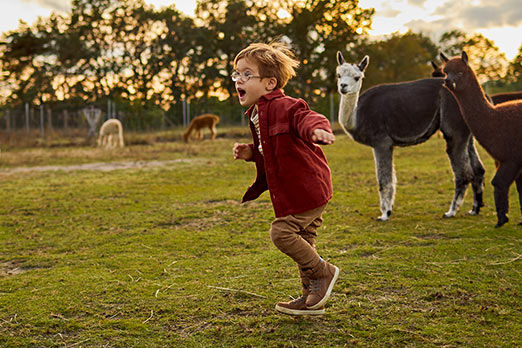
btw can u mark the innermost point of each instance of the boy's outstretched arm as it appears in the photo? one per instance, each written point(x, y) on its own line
point(323, 137)
point(242, 151)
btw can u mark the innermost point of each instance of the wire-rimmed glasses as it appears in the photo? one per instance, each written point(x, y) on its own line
point(237, 76)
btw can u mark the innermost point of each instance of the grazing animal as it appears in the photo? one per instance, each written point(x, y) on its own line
point(199, 122)
point(404, 114)
point(504, 97)
point(111, 134)
point(498, 128)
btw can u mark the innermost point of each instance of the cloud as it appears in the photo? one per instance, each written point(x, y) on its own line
point(482, 15)
point(418, 3)
point(388, 11)
point(57, 5)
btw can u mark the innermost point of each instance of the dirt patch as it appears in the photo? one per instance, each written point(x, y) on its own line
point(100, 166)
point(10, 268)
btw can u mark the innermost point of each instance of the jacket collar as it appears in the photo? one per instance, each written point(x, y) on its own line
point(276, 93)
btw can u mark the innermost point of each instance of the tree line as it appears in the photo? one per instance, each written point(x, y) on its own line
point(153, 62)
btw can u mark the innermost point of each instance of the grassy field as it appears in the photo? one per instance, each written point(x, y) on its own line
point(153, 255)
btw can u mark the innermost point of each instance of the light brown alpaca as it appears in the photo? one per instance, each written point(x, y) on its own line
point(498, 128)
point(200, 122)
point(111, 134)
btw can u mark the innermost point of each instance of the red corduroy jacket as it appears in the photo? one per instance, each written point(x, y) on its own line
point(292, 167)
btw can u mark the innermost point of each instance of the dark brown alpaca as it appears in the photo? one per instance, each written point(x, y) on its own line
point(498, 128)
point(437, 70)
point(504, 97)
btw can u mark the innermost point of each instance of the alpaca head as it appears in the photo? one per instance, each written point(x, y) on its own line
point(437, 70)
point(456, 70)
point(350, 76)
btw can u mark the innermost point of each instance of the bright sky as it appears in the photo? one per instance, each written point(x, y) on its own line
point(498, 20)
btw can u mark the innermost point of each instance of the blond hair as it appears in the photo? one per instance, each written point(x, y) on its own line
point(274, 60)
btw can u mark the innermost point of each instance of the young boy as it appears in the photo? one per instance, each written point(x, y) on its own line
point(289, 164)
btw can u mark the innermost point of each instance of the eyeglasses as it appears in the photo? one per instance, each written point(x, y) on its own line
point(236, 76)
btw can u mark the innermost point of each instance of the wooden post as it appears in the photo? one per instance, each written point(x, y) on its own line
point(183, 109)
point(42, 120)
point(65, 119)
point(7, 120)
point(49, 118)
point(188, 112)
point(332, 116)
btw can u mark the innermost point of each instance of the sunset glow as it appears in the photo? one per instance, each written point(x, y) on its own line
point(498, 20)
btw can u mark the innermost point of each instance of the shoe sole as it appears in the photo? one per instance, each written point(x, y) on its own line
point(328, 292)
point(299, 311)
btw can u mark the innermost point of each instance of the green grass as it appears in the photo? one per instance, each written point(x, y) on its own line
point(166, 256)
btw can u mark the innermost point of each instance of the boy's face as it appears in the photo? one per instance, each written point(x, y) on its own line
point(249, 90)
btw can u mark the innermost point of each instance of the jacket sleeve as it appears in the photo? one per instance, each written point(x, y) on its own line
point(256, 155)
point(305, 121)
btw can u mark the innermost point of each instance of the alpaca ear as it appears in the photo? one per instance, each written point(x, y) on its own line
point(464, 57)
point(435, 66)
point(340, 58)
point(443, 57)
point(364, 63)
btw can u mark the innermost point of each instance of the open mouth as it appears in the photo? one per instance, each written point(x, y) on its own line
point(241, 92)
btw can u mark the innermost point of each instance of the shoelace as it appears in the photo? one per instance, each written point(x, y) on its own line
point(297, 300)
point(315, 285)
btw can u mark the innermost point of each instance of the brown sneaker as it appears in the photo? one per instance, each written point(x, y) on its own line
point(322, 283)
point(298, 307)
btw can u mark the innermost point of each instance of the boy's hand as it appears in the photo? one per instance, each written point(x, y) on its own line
point(323, 137)
point(242, 151)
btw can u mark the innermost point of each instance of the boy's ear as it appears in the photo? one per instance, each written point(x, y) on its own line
point(272, 83)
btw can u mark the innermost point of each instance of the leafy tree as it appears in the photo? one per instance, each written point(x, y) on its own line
point(514, 74)
point(398, 58)
point(485, 58)
point(230, 26)
point(317, 29)
point(25, 65)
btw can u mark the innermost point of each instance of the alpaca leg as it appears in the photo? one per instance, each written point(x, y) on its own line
point(462, 171)
point(386, 179)
point(478, 177)
point(519, 189)
point(120, 137)
point(213, 132)
point(506, 174)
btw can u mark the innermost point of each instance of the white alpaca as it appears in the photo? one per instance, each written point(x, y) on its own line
point(109, 130)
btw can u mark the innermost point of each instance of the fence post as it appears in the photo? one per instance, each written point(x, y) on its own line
point(8, 120)
point(188, 112)
point(42, 120)
point(65, 119)
point(332, 109)
point(49, 118)
point(27, 118)
point(184, 111)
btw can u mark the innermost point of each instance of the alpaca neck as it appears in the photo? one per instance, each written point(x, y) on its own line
point(477, 112)
point(347, 111)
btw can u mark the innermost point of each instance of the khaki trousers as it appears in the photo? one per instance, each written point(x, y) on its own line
point(295, 236)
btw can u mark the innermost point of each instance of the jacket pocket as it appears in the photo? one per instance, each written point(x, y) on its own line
point(280, 128)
